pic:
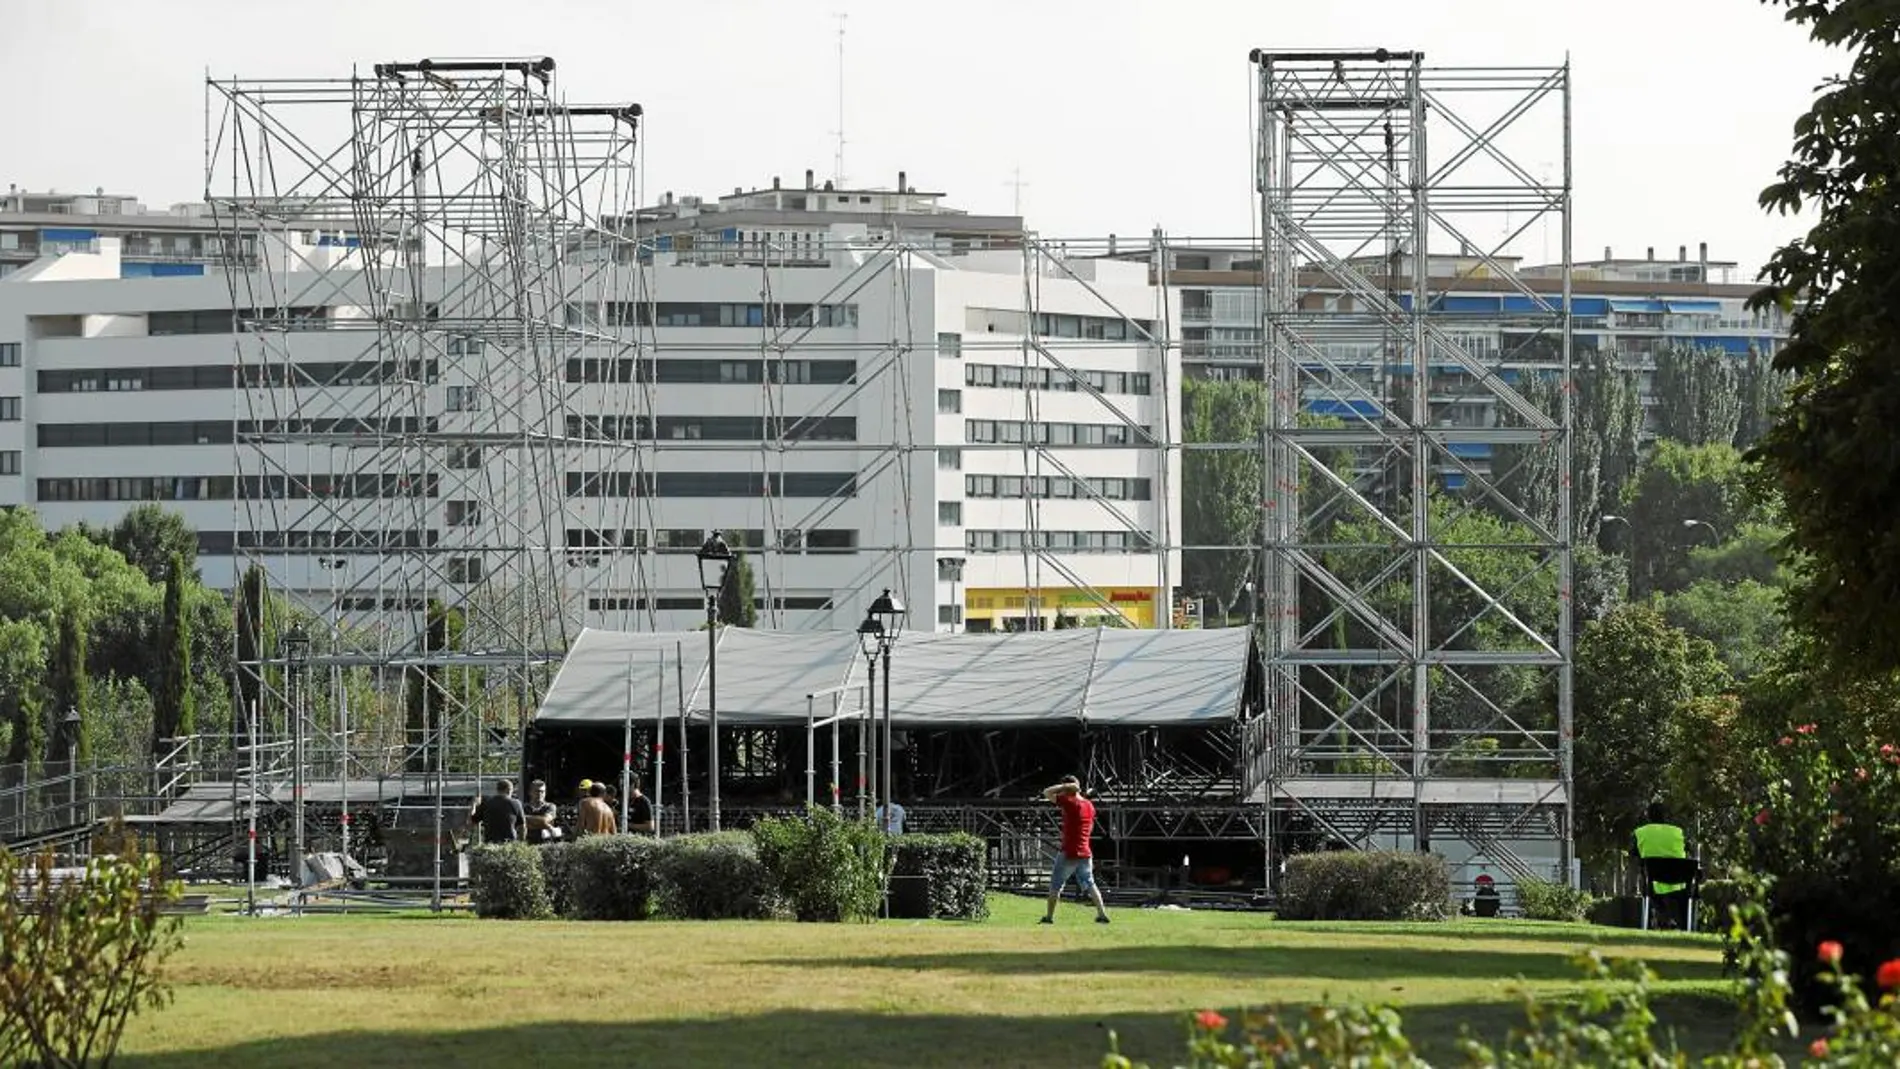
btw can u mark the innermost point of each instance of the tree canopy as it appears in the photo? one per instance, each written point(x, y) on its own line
point(1831, 451)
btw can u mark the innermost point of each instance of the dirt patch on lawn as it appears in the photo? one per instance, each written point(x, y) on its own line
point(301, 976)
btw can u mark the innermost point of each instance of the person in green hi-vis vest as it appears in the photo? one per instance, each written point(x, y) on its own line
point(1659, 838)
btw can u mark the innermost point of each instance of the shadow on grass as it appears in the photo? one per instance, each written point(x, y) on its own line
point(1571, 935)
point(1364, 962)
point(833, 1038)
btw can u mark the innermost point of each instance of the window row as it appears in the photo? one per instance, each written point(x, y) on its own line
point(711, 484)
point(715, 428)
point(218, 432)
point(1057, 486)
point(1017, 377)
point(1105, 328)
point(631, 603)
point(1058, 541)
point(683, 371)
point(225, 487)
point(328, 373)
point(223, 543)
point(227, 321)
point(710, 314)
point(1010, 430)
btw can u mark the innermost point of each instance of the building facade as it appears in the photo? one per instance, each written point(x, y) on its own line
point(867, 414)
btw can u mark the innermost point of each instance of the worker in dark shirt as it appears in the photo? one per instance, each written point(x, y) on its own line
point(639, 811)
point(542, 815)
point(500, 815)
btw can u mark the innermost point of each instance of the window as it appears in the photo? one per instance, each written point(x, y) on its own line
point(791, 540)
point(949, 460)
point(950, 614)
point(9, 354)
point(464, 513)
point(950, 513)
point(465, 457)
point(465, 569)
point(465, 399)
point(9, 462)
point(949, 569)
point(950, 346)
point(9, 409)
point(949, 402)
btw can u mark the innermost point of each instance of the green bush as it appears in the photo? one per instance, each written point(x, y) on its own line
point(1365, 886)
point(825, 867)
point(505, 881)
point(715, 876)
point(80, 956)
point(610, 877)
point(955, 870)
point(1715, 903)
point(1545, 900)
point(557, 869)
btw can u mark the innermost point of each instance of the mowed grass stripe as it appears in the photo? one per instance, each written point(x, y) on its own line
point(421, 991)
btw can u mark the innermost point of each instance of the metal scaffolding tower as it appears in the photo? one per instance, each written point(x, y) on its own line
point(1416, 567)
point(406, 248)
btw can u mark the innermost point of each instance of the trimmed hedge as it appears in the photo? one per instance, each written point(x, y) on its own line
point(955, 870)
point(712, 876)
point(505, 881)
point(557, 869)
point(827, 868)
point(1544, 900)
point(611, 877)
point(1365, 886)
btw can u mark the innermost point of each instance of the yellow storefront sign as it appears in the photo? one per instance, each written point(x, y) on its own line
point(1006, 608)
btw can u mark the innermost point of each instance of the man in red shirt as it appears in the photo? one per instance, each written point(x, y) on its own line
point(1078, 820)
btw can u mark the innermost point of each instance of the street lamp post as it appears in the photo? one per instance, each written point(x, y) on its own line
point(715, 564)
point(70, 723)
point(883, 623)
point(1690, 525)
point(296, 656)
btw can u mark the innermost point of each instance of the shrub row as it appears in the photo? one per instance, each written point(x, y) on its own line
point(1547, 900)
point(819, 867)
point(1365, 886)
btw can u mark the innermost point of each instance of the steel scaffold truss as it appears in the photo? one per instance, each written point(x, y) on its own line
point(403, 248)
point(1416, 567)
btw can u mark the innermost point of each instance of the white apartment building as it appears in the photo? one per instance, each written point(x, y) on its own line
point(905, 420)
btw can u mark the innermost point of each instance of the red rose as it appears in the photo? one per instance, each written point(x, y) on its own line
point(1818, 1048)
point(1214, 1022)
point(1785, 741)
point(1761, 818)
point(1805, 729)
point(1888, 975)
point(1829, 952)
point(1886, 749)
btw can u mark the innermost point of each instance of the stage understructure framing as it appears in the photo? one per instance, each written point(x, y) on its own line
point(462, 211)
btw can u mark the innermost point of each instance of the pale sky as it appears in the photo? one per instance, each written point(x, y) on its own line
point(1120, 115)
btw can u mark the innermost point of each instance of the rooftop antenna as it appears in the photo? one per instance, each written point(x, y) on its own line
point(837, 163)
point(1016, 185)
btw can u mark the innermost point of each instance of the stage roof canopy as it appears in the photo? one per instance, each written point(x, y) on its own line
point(1094, 676)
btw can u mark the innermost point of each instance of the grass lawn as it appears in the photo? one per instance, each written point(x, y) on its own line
point(422, 991)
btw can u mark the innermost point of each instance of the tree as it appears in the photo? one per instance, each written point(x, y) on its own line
point(1633, 674)
point(250, 650)
point(1762, 390)
point(1706, 484)
point(427, 698)
point(149, 537)
point(1830, 449)
point(738, 604)
point(1698, 395)
point(69, 691)
point(174, 713)
point(1741, 620)
point(1606, 433)
point(1753, 554)
point(1220, 488)
point(22, 664)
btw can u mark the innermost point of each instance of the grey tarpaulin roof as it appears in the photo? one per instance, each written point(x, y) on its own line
point(1101, 676)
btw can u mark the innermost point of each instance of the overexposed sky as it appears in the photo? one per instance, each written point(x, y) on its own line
point(1120, 114)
